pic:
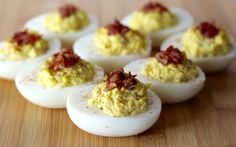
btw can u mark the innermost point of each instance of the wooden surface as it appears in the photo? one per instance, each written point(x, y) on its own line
point(207, 120)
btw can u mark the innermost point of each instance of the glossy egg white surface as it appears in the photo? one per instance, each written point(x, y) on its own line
point(96, 122)
point(9, 69)
point(168, 92)
point(207, 64)
point(185, 20)
point(48, 97)
point(87, 50)
point(68, 38)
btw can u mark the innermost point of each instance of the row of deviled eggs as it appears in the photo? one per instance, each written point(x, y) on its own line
point(126, 100)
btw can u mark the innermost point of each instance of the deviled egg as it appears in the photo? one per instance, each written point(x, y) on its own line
point(206, 44)
point(158, 21)
point(49, 84)
point(24, 48)
point(172, 76)
point(118, 106)
point(67, 23)
point(113, 46)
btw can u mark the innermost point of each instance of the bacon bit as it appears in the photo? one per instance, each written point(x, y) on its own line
point(116, 28)
point(24, 37)
point(208, 29)
point(119, 79)
point(154, 6)
point(67, 10)
point(170, 55)
point(65, 58)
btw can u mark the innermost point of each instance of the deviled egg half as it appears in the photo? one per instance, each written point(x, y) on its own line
point(67, 23)
point(207, 45)
point(158, 21)
point(113, 46)
point(49, 84)
point(118, 106)
point(171, 75)
point(24, 48)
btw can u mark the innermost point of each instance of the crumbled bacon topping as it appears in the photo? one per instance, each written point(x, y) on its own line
point(63, 59)
point(208, 29)
point(154, 6)
point(117, 28)
point(119, 79)
point(25, 37)
point(67, 10)
point(170, 55)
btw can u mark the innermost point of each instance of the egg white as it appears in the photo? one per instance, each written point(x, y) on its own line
point(9, 69)
point(94, 121)
point(168, 92)
point(208, 64)
point(185, 20)
point(67, 38)
point(87, 50)
point(48, 97)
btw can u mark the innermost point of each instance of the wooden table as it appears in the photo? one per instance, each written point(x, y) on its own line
point(207, 120)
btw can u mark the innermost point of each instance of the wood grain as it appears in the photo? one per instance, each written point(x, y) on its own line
point(207, 120)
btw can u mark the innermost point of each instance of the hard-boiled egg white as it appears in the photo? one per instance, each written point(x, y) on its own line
point(207, 64)
point(96, 122)
point(168, 92)
point(185, 20)
point(86, 49)
point(48, 97)
point(67, 38)
point(9, 69)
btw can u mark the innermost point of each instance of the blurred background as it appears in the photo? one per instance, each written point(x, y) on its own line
point(13, 13)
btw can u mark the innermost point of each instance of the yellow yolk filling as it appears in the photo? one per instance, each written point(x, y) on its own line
point(175, 73)
point(120, 102)
point(194, 44)
point(80, 73)
point(152, 21)
point(56, 23)
point(12, 51)
point(119, 44)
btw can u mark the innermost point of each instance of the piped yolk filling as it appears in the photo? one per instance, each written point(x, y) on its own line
point(205, 40)
point(65, 69)
point(170, 66)
point(120, 95)
point(68, 18)
point(151, 18)
point(23, 45)
point(117, 39)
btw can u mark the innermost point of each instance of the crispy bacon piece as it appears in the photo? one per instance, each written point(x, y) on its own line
point(208, 29)
point(116, 28)
point(154, 6)
point(24, 37)
point(119, 79)
point(64, 58)
point(67, 10)
point(170, 55)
